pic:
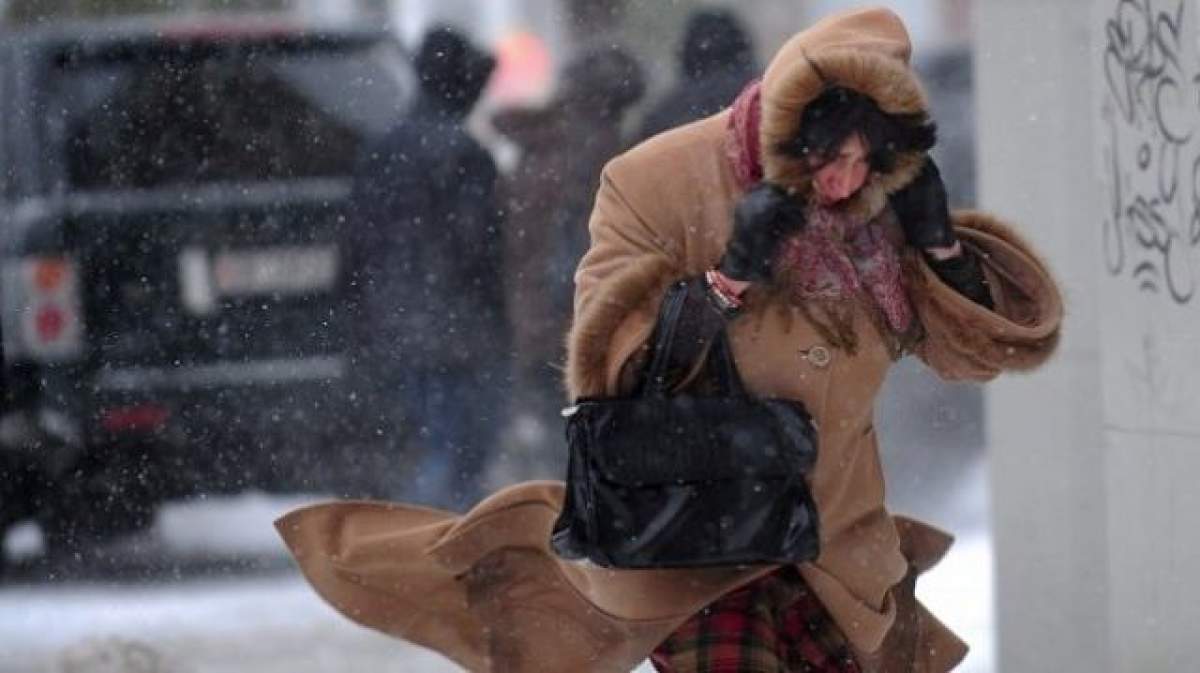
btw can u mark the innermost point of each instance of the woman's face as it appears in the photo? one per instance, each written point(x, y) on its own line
point(843, 174)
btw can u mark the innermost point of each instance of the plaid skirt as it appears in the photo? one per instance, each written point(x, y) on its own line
point(772, 625)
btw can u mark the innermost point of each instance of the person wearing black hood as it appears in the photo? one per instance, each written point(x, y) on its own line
point(428, 262)
point(716, 60)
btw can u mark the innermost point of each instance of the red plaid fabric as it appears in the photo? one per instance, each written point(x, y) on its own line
point(772, 625)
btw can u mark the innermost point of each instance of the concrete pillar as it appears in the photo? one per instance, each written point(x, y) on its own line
point(1090, 137)
point(1047, 459)
point(1146, 65)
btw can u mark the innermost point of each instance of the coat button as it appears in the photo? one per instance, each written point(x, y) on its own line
point(818, 356)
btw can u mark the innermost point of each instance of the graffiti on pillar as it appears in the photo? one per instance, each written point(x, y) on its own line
point(1151, 106)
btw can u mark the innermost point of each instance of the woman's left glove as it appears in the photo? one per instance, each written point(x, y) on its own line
point(965, 275)
point(923, 210)
point(763, 218)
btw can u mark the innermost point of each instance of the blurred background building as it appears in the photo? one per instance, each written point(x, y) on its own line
point(653, 28)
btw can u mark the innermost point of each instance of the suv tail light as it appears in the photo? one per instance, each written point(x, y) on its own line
point(136, 418)
point(42, 310)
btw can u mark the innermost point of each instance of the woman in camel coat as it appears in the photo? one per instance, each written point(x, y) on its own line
point(485, 590)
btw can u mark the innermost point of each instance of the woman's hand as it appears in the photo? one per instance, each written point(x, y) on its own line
point(764, 217)
point(921, 206)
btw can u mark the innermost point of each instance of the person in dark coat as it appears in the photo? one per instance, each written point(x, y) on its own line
point(564, 145)
point(429, 264)
point(716, 60)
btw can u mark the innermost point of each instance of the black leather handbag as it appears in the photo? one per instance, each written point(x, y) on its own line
point(656, 480)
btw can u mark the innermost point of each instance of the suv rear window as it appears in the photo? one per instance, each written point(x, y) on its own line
point(144, 115)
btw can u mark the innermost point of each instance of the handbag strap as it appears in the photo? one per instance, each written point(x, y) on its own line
point(724, 367)
point(654, 382)
point(719, 358)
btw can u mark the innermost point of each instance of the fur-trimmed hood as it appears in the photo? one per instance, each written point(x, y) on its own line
point(866, 50)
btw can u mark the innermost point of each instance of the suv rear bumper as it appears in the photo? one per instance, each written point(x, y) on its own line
point(280, 425)
point(222, 374)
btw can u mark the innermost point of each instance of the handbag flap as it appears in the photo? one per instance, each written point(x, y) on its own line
point(688, 439)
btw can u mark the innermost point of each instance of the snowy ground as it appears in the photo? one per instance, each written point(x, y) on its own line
point(266, 620)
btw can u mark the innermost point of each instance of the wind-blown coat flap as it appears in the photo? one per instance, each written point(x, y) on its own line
point(368, 561)
point(485, 590)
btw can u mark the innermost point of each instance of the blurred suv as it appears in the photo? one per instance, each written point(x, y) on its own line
point(177, 292)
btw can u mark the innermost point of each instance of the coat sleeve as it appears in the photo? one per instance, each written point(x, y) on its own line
point(965, 341)
point(619, 285)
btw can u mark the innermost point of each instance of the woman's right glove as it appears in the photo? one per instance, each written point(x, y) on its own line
point(924, 213)
point(923, 210)
point(763, 218)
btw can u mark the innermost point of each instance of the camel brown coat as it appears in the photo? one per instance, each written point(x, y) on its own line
point(485, 590)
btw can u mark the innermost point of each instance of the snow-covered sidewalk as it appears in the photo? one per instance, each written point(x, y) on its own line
point(258, 625)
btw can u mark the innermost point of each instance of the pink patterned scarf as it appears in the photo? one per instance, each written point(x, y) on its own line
point(742, 141)
point(835, 257)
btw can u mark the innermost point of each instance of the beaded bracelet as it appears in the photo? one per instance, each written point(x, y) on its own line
point(724, 296)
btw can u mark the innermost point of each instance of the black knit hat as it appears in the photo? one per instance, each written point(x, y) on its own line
point(714, 40)
point(452, 70)
point(603, 81)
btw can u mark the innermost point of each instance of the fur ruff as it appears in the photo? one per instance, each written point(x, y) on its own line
point(636, 289)
point(954, 325)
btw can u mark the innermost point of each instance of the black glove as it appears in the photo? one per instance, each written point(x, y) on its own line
point(965, 275)
point(921, 206)
point(763, 218)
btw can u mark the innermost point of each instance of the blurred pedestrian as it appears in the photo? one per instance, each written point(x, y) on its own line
point(716, 59)
point(547, 197)
point(433, 331)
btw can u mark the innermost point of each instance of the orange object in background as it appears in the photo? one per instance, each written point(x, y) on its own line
point(523, 69)
point(49, 274)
